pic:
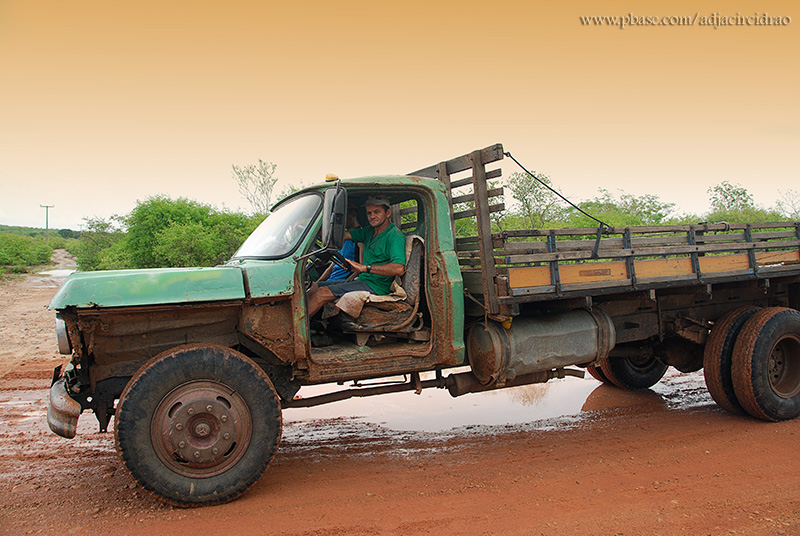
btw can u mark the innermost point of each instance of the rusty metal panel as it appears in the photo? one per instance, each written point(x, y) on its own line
point(272, 325)
point(120, 340)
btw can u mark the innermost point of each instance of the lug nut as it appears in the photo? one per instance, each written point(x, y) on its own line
point(196, 455)
point(190, 411)
point(224, 418)
point(209, 408)
point(182, 444)
point(226, 436)
point(179, 426)
point(215, 451)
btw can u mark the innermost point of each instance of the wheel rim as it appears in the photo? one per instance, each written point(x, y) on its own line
point(784, 367)
point(201, 429)
point(642, 363)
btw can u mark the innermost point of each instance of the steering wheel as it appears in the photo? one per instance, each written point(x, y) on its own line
point(339, 260)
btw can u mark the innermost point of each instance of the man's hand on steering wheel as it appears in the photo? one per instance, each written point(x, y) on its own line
point(339, 260)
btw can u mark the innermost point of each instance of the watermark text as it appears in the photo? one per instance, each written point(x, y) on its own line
point(713, 20)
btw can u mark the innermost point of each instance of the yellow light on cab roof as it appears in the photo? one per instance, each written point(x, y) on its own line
point(331, 177)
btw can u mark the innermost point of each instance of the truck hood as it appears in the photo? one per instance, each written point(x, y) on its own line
point(121, 288)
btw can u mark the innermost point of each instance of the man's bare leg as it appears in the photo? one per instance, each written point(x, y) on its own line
point(317, 297)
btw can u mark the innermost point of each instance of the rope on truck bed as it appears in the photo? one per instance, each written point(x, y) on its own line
point(601, 229)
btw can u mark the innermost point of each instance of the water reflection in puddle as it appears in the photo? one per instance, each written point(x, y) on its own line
point(436, 411)
point(58, 274)
point(51, 278)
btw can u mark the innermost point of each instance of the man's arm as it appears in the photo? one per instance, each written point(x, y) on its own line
point(389, 269)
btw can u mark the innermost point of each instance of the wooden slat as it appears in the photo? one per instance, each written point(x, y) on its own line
point(511, 248)
point(775, 257)
point(470, 197)
point(483, 210)
point(653, 229)
point(724, 263)
point(466, 240)
point(490, 154)
point(530, 276)
point(650, 252)
point(593, 272)
point(467, 181)
point(473, 212)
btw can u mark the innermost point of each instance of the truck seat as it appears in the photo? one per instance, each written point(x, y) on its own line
point(397, 316)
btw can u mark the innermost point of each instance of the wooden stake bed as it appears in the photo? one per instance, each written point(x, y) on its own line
point(527, 265)
point(670, 256)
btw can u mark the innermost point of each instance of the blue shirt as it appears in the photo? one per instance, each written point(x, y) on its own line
point(348, 251)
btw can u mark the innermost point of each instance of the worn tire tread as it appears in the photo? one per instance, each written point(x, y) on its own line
point(624, 375)
point(129, 436)
point(750, 381)
point(596, 371)
point(719, 354)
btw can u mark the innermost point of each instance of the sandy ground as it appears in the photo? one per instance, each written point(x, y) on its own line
point(630, 464)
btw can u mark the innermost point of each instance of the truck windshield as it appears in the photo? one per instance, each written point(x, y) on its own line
point(282, 231)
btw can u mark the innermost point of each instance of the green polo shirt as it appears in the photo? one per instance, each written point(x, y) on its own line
point(389, 246)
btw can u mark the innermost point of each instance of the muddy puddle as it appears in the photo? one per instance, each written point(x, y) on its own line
point(544, 405)
point(51, 278)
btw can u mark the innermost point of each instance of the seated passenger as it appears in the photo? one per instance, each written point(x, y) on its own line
point(384, 258)
point(348, 251)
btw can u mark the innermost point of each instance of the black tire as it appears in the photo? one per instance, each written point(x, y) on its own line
point(597, 373)
point(718, 356)
point(198, 425)
point(633, 373)
point(766, 365)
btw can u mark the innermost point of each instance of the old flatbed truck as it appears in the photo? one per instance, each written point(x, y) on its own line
point(196, 365)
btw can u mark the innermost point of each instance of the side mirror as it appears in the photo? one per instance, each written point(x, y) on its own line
point(334, 217)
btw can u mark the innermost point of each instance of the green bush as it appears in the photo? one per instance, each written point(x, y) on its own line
point(97, 244)
point(163, 232)
point(20, 250)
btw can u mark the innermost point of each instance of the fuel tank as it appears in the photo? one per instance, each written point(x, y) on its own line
point(531, 344)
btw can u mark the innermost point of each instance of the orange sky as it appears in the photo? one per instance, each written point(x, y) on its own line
point(104, 103)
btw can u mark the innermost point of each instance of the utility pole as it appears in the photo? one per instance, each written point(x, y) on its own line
point(47, 223)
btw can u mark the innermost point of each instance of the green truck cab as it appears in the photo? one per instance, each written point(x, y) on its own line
point(196, 365)
point(137, 335)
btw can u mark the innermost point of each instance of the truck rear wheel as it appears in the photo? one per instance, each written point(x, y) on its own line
point(198, 425)
point(596, 371)
point(633, 372)
point(719, 354)
point(766, 364)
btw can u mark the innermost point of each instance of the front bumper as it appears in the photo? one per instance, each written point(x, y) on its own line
point(63, 411)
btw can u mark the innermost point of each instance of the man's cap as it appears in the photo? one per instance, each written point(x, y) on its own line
point(374, 200)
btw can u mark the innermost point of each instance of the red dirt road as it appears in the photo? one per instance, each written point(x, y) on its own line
point(629, 464)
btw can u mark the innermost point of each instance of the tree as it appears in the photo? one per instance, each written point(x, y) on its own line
point(256, 182)
point(731, 197)
point(732, 203)
point(288, 190)
point(101, 245)
point(789, 204)
point(627, 210)
point(538, 205)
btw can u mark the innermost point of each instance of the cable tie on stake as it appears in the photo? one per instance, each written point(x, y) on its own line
point(601, 230)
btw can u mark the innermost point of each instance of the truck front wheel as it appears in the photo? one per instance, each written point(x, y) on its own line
point(198, 425)
point(766, 364)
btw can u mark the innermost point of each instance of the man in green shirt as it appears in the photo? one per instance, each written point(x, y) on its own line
point(384, 258)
